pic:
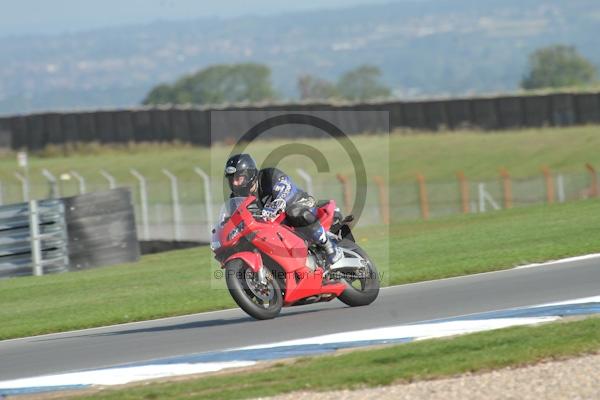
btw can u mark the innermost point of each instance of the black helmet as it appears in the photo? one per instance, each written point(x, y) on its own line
point(241, 173)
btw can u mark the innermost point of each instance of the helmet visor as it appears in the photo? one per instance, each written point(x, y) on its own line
point(239, 183)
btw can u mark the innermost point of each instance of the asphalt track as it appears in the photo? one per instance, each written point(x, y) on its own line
point(108, 346)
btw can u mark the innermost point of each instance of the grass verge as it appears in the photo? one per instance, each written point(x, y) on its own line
point(384, 366)
point(180, 282)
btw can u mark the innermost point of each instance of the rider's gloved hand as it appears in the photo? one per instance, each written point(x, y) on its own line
point(269, 214)
point(272, 210)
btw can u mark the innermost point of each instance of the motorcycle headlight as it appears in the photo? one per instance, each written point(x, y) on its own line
point(215, 245)
point(215, 242)
point(236, 231)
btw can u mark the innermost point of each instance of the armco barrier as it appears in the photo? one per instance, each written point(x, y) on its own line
point(190, 124)
point(16, 255)
point(74, 233)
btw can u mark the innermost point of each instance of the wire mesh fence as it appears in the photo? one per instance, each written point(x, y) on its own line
point(170, 208)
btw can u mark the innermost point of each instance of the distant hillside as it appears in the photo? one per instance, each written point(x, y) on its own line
point(424, 47)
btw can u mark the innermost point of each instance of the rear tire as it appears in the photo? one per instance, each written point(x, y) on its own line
point(369, 284)
point(240, 282)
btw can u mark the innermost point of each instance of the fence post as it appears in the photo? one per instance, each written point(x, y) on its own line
point(52, 182)
point(22, 160)
point(384, 200)
point(307, 180)
point(464, 191)
point(80, 180)
point(481, 191)
point(175, 206)
point(549, 184)
point(346, 190)
point(483, 196)
point(112, 182)
point(143, 202)
point(560, 188)
point(34, 236)
point(506, 188)
point(594, 189)
point(207, 197)
point(24, 186)
point(423, 199)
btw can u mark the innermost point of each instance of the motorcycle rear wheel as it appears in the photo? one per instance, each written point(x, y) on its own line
point(369, 283)
point(257, 300)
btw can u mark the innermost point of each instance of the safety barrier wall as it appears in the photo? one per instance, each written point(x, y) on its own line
point(101, 229)
point(23, 223)
point(192, 124)
point(70, 234)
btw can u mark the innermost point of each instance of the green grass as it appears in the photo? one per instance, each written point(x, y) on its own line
point(179, 282)
point(475, 243)
point(402, 363)
point(437, 155)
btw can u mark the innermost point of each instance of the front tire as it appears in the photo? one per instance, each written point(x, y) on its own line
point(367, 289)
point(257, 300)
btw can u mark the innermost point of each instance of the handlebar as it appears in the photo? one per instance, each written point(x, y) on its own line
point(257, 215)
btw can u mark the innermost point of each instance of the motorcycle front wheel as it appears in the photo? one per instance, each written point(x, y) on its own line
point(260, 300)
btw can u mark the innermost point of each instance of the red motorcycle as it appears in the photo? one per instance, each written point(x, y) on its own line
point(268, 265)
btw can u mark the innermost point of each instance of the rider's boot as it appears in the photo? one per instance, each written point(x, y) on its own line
point(334, 253)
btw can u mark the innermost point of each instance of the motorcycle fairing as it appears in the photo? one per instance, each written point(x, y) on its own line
point(286, 248)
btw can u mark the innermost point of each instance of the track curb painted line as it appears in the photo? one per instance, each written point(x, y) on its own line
point(560, 261)
point(250, 355)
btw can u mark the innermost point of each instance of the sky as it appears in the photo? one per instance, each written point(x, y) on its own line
point(33, 17)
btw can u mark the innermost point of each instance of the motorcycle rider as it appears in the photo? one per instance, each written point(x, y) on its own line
point(275, 193)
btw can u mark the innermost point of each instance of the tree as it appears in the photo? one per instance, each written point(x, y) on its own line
point(217, 84)
point(161, 94)
point(313, 88)
point(558, 66)
point(362, 83)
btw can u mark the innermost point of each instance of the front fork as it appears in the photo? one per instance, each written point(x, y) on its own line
point(262, 275)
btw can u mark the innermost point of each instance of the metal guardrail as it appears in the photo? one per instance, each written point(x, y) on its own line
point(33, 238)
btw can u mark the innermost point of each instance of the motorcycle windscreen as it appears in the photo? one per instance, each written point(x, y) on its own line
point(227, 209)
